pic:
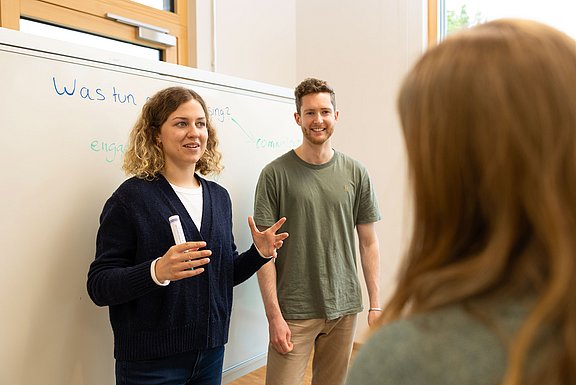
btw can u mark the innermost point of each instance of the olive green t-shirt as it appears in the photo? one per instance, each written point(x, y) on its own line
point(316, 268)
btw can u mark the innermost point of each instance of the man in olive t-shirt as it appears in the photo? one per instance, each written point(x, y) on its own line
point(312, 293)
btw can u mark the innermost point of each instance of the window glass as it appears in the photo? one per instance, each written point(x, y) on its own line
point(87, 39)
point(165, 5)
point(465, 13)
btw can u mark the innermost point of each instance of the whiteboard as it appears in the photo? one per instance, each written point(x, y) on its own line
point(65, 115)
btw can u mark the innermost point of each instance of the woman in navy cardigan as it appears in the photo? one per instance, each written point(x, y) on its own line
point(170, 304)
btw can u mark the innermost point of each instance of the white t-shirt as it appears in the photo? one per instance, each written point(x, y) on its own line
point(192, 200)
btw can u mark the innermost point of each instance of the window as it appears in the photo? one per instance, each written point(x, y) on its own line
point(159, 25)
point(86, 39)
point(447, 16)
point(165, 5)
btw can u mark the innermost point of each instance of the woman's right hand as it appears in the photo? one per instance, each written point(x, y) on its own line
point(182, 261)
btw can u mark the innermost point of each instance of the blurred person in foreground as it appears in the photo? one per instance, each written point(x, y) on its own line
point(486, 292)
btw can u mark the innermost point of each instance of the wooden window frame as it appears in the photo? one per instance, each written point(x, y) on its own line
point(432, 22)
point(90, 17)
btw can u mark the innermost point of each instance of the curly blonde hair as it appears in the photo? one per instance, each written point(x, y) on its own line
point(145, 156)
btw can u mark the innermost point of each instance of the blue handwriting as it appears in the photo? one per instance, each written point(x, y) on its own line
point(93, 94)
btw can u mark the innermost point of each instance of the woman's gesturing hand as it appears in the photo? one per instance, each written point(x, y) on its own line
point(267, 241)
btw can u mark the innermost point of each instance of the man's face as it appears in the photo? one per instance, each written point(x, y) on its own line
point(317, 118)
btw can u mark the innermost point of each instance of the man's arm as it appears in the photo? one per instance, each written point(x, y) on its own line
point(279, 332)
point(370, 259)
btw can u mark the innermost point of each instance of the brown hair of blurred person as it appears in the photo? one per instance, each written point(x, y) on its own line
point(489, 119)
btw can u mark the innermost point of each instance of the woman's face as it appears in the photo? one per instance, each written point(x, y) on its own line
point(184, 135)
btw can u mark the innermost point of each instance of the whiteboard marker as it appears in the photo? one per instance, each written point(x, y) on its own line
point(177, 230)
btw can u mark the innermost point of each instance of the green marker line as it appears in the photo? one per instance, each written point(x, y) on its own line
point(243, 130)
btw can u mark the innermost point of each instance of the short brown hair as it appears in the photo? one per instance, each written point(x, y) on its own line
point(313, 86)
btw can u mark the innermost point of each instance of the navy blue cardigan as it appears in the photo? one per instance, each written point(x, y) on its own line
point(151, 321)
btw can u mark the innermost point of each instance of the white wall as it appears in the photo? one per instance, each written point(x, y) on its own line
point(251, 39)
point(363, 48)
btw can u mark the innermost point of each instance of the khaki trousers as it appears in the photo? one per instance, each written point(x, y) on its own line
point(332, 344)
